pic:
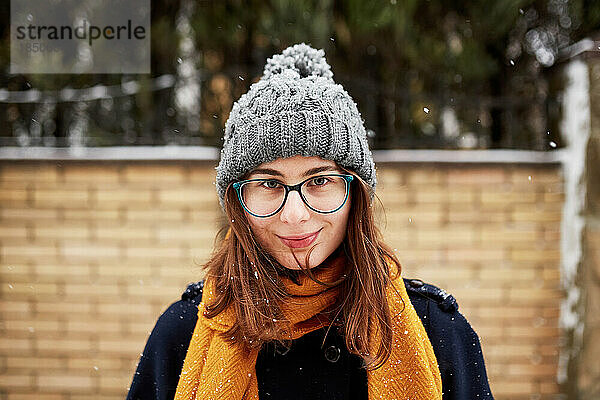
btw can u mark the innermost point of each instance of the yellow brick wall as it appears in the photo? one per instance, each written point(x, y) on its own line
point(93, 252)
point(489, 235)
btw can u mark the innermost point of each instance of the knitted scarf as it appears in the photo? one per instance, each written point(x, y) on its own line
point(214, 369)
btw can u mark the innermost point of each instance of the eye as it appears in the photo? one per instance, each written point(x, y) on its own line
point(270, 184)
point(320, 180)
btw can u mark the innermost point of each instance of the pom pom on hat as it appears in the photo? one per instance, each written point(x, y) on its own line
point(301, 59)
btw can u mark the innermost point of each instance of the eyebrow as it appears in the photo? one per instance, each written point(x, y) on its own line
point(316, 170)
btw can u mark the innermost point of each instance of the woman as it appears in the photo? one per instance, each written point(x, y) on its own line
point(302, 299)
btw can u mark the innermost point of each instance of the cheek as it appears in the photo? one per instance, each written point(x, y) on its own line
point(340, 223)
point(260, 229)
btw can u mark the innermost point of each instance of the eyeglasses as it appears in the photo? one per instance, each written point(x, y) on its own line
point(324, 194)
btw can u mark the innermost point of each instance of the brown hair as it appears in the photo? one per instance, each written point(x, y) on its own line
point(248, 278)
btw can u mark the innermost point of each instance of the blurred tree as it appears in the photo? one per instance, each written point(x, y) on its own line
point(463, 74)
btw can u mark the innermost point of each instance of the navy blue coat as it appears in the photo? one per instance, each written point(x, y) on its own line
point(309, 371)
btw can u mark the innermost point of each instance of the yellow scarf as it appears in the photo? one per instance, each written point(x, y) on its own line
point(214, 369)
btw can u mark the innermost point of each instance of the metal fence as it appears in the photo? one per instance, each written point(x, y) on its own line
point(150, 112)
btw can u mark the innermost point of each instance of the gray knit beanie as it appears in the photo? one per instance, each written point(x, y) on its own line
point(294, 109)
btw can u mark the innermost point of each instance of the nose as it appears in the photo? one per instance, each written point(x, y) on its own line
point(294, 210)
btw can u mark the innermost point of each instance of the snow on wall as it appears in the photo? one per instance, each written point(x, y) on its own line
point(575, 129)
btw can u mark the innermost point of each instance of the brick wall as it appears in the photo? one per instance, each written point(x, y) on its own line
point(93, 252)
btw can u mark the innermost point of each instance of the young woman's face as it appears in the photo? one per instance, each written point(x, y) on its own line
point(295, 219)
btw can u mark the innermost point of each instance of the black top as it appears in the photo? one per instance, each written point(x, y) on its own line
point(309, 371)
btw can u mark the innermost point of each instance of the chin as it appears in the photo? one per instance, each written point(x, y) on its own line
point(288, 261)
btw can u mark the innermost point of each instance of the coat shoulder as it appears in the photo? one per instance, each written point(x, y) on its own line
point(158, 369)
point(417, 288)
point(456, 344)
point(193, 292)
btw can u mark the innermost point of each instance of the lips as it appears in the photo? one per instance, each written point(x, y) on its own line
point(299, 241)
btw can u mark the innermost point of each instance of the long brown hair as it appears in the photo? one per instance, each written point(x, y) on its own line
point(247, 277)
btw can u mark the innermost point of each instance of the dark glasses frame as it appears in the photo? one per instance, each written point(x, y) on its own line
point(288, 188)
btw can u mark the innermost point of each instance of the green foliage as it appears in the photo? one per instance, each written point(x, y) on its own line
point(396, 57)
point(585, 16)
